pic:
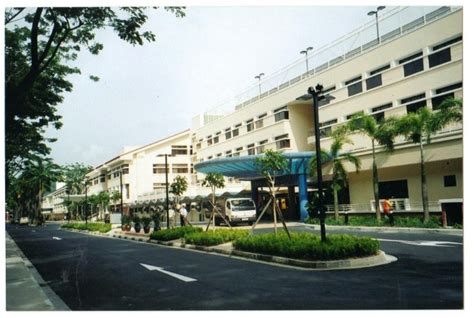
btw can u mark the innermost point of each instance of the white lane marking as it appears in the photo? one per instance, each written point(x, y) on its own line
point(160, 269)
point(423, 243)
point(57, 238)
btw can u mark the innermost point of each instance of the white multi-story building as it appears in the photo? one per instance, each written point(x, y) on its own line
point(416, 62)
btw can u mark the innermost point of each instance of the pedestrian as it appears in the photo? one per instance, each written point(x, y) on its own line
point(388, 210)
point(182, 214)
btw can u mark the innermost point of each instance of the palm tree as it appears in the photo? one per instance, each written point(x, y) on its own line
point(115, 196)
point(104, 199)
point(74, 177)
point(420, 126)
point(40, 173)
point(335, 160)
point(382, 133)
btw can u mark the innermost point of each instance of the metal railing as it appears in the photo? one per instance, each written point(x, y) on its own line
point(399, 205)
point(393, 23)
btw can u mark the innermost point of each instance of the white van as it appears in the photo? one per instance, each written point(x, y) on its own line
point(238, 210)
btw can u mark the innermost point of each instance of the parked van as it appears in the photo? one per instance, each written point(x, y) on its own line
point(237, 210)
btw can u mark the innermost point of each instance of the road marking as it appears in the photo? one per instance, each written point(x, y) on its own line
point(424, 243)
point(160, 269)
point(57, 238)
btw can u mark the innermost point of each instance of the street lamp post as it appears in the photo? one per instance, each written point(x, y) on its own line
point(68, 204)
point(316, 94)
point(87, 206)
point(305, 52)
point(121, 193)
point(380, 8)
point(167, 189)
point(259, 77)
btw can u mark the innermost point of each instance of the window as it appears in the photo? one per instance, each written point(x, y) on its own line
point(281, 113)
point(259, 122)
point(438, 100)
point(209, 140)
point(251, 149)
point(382, 107)
point(159, 168)
point(324, 93)
point(228, 134)
point(198, 146)
point(412, 98)
point(159, 186)
point(180, 168)
point(354, 86)
point(102, 178)
point(96, 181)
point(235, 132)
point(228, 153)
point(109, 176)
point(282, 141)
point(209, 158)
point(250, 125)
point(216, 139)
point(327, 90)
point(439, 57)
point(447, 43)
point(325, 128)
point(179, 150)
point(415, 66)
point(348, 117)
point(448, 88)
point(237, 151)
point(373, 81)
point(261, 146)
point(125, 169)
point(380, 70)
point(127, 191)
point(379, 116)
point(397, 189)
point(413, 107)
point(219, 155)
point(450, 181)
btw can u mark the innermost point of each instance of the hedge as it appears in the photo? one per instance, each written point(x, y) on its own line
point(214, 238)
point(399, 221)
point(174, 233)
point(93, 227)
point(308, 246)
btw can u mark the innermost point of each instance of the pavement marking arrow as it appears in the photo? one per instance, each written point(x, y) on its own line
point(57, 238)
point(160, 269)
point(424, 243)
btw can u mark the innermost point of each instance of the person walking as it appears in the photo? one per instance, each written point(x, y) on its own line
point(182, 214)
point(388, 210)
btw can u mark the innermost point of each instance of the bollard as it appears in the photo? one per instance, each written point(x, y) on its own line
point(444, 218)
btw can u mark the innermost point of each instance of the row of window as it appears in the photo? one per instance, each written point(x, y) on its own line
point(160, 168)
point(114, 173)
point(281, 142)
point(412, 104)
point(177, 150)
point(279, 114)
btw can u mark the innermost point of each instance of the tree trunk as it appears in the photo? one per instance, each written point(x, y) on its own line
point(273, 198)
point(335, 200)
point(375, 184)
point(424, 186)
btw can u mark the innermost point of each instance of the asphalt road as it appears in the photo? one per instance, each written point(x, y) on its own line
point(95, 273)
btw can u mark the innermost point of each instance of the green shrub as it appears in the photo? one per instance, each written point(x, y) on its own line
point(173, 234)
point(214, 238)
point(399, 221)
point(92, 227)
point(308, 246)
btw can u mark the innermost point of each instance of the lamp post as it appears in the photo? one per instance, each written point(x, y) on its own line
point(87, 206)
point(259, 77)
point(121, 193)
point(305, 52)
point(380, 8)
point(167, 189)
point(316, 94)
point(68, 204)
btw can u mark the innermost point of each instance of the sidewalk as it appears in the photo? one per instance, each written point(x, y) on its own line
point(25, 289)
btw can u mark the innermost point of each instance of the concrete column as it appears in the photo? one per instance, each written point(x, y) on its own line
point(303, 196)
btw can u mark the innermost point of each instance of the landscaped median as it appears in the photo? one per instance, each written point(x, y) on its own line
point(90, 227)
point(302, 250)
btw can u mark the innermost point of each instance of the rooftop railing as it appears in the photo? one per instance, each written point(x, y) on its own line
point(394, 23)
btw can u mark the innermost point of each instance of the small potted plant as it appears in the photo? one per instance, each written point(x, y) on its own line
point(156, 221)
point(146, 220)
point(126, 226)
point(137, 223)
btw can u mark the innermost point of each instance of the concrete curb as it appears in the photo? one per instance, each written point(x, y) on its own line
point(416, 230)
point(380, 259)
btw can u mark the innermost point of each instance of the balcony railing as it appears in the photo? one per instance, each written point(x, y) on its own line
point(393, 23)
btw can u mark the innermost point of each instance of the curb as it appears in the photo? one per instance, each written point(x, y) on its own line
point(388, 229)
point(353, 263)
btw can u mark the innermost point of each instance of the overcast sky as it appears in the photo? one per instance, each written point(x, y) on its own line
point(148, 92)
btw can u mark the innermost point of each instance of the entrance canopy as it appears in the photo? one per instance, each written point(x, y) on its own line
point(244, 167)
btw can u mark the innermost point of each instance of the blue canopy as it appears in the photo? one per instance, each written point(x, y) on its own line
point(243, 167)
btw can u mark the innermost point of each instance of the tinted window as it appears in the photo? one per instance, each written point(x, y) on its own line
point(438, 100)
point(450, 181)
point(397, 189)
point(440, 57)
point(354, 89)
point(413, 108)
point(413, 67)
point(374, 81)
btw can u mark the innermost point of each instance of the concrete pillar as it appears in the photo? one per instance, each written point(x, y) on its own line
point(303, 196)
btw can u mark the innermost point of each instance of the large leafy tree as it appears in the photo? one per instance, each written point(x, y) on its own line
point(335, 159)
point(74, 176)
point(382, 133)
point(41, 45)
point(420, 126)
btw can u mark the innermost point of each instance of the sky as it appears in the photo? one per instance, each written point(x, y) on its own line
point(148, 92)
